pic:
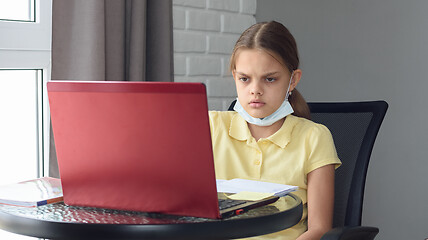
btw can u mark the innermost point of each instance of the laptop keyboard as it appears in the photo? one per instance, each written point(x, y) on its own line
point(228, 203)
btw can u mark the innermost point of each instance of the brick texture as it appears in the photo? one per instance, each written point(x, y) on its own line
point(205, 32)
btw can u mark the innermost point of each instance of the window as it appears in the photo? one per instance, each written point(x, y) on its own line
point(25, 51)
point(17, 10)
point(20, 98)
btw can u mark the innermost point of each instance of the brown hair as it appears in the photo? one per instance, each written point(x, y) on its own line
point(275, 39)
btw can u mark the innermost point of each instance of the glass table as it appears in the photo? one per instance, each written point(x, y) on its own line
point(59, 221)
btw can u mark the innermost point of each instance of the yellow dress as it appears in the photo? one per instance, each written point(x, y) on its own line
point(286, 157)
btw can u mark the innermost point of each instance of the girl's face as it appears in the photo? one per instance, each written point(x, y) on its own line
point(261, 82)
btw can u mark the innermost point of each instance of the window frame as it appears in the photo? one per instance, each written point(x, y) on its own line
point(17, 53)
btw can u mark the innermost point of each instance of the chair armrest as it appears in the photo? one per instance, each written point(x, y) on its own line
point(351, 233)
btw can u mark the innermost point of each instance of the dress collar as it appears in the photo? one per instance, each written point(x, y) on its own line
point(240, 131)
point(239, 128)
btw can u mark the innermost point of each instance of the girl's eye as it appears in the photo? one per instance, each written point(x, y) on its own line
point(270, 79)
point(243, 79)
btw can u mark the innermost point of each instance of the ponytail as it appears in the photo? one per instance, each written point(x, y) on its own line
point(300, 107)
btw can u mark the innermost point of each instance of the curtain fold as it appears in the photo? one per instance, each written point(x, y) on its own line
point(110, 40)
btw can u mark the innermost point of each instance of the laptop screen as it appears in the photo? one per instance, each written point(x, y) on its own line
point(142, 146)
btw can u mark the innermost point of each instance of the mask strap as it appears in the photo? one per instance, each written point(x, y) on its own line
point(289, 84)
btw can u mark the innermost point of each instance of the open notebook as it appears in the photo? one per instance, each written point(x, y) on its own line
point(142, 146)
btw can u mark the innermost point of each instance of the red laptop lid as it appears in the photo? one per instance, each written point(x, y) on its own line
point(141, 146)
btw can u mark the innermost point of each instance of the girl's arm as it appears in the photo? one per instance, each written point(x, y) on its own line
point(320, 202)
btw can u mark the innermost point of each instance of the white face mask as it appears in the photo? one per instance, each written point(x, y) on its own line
point(284, 110)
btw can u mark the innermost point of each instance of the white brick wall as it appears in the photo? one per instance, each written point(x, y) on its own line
point(205, 32)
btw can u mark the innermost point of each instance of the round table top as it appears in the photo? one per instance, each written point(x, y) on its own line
point(59, 221)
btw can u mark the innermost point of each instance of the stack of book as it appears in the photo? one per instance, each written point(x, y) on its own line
point(32, 193)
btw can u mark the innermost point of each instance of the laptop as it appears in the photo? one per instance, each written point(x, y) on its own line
point(137, 146)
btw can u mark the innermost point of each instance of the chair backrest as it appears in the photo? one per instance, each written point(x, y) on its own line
point(354, 126)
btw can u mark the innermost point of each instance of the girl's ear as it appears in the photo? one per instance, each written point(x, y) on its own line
point(297, 75)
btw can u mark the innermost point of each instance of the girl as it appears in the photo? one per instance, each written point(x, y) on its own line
point(269, 137)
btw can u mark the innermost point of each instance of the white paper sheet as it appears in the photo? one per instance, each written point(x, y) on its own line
point(240, 185)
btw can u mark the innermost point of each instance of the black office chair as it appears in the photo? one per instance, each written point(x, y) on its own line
point(354, 126)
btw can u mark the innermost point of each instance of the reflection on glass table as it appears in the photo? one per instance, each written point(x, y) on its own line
point(59, 221)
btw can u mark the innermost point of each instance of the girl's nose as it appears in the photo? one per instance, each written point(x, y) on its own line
point(256, 89)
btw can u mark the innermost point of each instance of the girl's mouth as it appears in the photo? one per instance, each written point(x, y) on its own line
point(256, 104)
